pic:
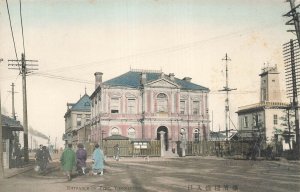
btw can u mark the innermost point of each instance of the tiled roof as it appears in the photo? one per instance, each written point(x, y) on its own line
point(262, 105)
point(84, 104)
point(132, 79)
point(116, 137)
point(10, 122)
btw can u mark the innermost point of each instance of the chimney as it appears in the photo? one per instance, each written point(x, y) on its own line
point(172, 76)
point(143, 78)
point(98, 79)
point(187, 79)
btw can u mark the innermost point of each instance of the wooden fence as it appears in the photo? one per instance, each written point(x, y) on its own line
point(218, 148)
point(129, 149)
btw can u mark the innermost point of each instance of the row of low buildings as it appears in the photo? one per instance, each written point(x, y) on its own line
point(140, 104)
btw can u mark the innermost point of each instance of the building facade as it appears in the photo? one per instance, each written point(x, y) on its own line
point(77, 121)
point(140, 104)
point(11, 129)
point(261, 121)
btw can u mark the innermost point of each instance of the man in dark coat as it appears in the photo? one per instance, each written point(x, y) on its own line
point(39, 157)
point(18, 155)
point(81, 156)
point(45, 158)
point(117, 152)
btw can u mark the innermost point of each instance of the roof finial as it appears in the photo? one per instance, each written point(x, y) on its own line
point(85, 89)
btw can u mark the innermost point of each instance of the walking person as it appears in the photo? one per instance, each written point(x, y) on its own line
point(81, 156)
point(39, 158)
point(18, 155)
point(117, 152)
point(45, 158)
point(68, 161)
point(98, 161)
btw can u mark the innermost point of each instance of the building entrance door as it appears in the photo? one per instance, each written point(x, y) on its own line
point(164, 129)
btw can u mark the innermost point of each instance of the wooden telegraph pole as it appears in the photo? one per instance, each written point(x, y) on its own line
point(24, 70)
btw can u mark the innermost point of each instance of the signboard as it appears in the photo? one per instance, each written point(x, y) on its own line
point(140, 145)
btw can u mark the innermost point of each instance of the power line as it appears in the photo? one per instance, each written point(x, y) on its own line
point(152, 52)
point(22, 26)
point(62, 78)
point(12, 33)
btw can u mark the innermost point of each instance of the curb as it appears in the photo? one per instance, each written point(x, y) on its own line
point(9, 175)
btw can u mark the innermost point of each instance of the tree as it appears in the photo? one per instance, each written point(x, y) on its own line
point(288, 126)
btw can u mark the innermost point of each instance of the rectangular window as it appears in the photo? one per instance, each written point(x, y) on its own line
point(87, 117)
point(114, 105)
point(196, 108)
point(275, 119)
point(264, 94)
point(131, 106)
point(182, 107)
point(255, 120)
point(78, 119)
point(245, 122)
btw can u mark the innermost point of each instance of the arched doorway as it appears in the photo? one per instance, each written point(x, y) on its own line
point(164, 129)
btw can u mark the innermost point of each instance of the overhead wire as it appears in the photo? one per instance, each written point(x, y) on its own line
point(12, 34)
point(151, 52)
point(22, 27)
point(62, 78)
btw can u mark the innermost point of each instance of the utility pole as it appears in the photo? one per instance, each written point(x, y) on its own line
point(291, 65)
point(15, 133)
point(227, 90)
point(1, 144)
point(24, 70)
point(292, 69)
point(13, 101)
point(295, 19)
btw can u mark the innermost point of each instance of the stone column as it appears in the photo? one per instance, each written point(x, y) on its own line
point(183, 143)
point(162, 143)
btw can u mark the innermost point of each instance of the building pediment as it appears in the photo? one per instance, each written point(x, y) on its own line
point(163, 83)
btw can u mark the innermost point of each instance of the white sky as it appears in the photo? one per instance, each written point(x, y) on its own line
point(74, 39)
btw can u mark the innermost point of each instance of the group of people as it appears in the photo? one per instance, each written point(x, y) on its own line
point(42, 158)
point(69, 159)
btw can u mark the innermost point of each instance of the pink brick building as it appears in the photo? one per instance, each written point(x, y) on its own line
point(140, 103)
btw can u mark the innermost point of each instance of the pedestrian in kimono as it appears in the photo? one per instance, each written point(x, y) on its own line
point(68, 161)
point(98, 161)
point(81, 156)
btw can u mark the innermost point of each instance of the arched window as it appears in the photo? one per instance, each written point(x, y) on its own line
point(196, 135)
point(115, 131)
point(162, 103)
point(131, 132)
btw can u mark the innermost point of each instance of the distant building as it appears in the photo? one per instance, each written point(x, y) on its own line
point(140, 104)
point(77, 121)
point(261, 121)
point(10, 138)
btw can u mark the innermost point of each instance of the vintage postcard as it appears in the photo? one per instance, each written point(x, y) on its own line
point(149, 95)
